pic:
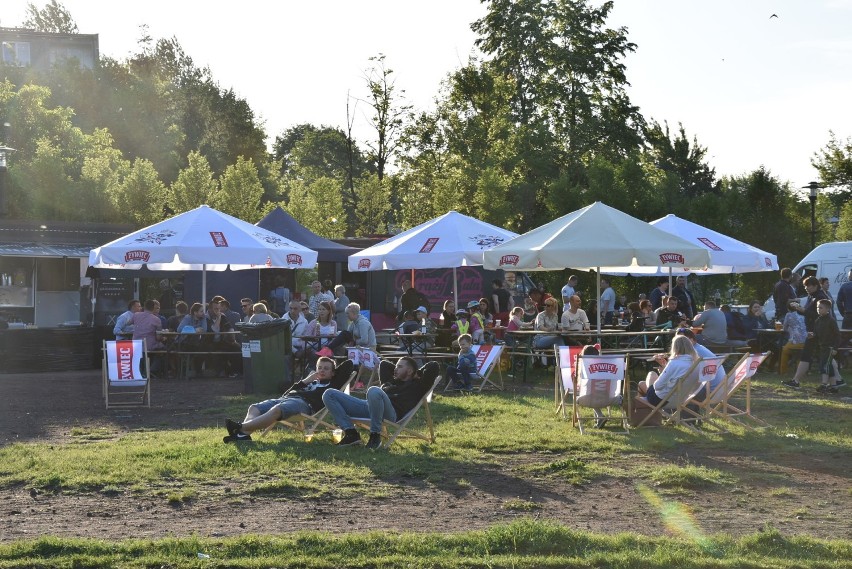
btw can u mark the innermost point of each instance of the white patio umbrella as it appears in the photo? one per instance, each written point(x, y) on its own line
point(597, 237)
point(727, 255)
point(202, 239)
point(451, 240)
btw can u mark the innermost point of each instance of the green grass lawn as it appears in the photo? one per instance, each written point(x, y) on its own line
point(482, 430)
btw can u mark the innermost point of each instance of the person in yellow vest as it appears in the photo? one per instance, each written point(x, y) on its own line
point(477, 322)
point(462, 325)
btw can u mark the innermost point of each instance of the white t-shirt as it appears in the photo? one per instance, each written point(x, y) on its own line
point(608, 300)
point(567, 292)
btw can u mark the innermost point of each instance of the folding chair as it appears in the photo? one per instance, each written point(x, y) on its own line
point(308, 424)
point(599, 382)
point(718, 403)
point(563, 376)
point(126, 374)
point(368, 366)
point(487, 360)
point(685, 387)
point(391, 430)
point(692, 409)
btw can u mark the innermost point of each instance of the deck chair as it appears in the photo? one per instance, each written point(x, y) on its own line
point(685, 388)
point(308, 424)
point(599, 382)
point(693, 409)
point(126, 376)
point(368, 365)
point(487, 361)
point(392, 430)
point(718, 403)
point(563, 377)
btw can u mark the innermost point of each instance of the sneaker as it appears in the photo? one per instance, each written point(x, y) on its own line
point(375, 441)
point(351, 437)
point(325, 352)
point(791, 383)
point(840, 382)
point(233, 427)
point(822, 388)
point(832, 390)
point(239, 437)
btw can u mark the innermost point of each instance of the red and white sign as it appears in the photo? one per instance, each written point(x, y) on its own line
point(294, 259)
point(137, 256)
point(509, 260)
point(666, 258)
point(123, 360)
point(710, 245)
point(364, 264)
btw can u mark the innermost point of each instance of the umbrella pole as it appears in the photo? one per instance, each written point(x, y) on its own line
point(455, 289)
point(412, 278)
point(204, 284)
point(600, 314)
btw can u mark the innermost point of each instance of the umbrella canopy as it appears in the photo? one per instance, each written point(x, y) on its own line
point(202, 239)
point(596, 237)
point(727, 255)
point(451, 240)
point(284, 224)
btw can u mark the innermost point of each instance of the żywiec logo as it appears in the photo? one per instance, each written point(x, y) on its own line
point(429, 245)
point(364, 264)
point(125, 360)
point(767, 261)
point(753, 365)
point(294, 259)
point(709, 369)
point(219, 239)
point(509, 260)
point(137, 256)
point(666, 258)
point(603, 368)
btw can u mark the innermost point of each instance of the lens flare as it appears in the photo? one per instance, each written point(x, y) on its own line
point(676, 517)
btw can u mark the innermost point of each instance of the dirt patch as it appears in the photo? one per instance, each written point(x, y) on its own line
point(791, 492)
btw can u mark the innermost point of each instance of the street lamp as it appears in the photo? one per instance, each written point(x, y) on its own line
point(813, 187)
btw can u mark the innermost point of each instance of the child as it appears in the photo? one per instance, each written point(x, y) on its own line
point(410, 325)
point(516, 322)
point(477, 323)
point(827, 335)
point(459, 376)
point(461, 325)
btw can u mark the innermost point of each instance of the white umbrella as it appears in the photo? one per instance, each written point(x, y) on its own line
point(727, 255)
point(596, 237)
point(202, 239)
point(451, 240)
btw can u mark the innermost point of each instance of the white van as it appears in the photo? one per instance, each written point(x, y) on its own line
point(832, 260)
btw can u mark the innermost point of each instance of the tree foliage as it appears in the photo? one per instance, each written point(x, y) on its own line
point(54, 17)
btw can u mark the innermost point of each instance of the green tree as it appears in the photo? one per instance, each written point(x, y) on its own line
point(389, 113)
point(371, 216)
point(834, 164)
point(194, 186)
point(101, 177)
point(318, 205)
point(687, 160)
point(141, 196)
point(54, 17)
point(240, 191)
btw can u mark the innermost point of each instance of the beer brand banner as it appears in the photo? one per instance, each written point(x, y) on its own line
point(567, 360)
point(123, 360)
point(485, 356)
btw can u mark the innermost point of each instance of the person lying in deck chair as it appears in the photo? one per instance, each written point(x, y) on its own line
point(402, 387)
point(305, 396)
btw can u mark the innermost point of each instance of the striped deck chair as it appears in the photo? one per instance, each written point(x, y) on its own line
point(686, 386)
point(487, 361)
point(718, 403)
point(126, 375)
point(563, 377)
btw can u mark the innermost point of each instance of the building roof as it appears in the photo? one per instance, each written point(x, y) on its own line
point(26, 238)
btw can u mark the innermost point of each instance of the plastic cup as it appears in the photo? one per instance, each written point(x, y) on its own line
point(498, 322)
point(337, 435)
point(779, 326)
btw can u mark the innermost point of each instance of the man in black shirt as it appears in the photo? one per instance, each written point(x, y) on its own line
point(402, 387)
point(304, 397)
point(783, 293)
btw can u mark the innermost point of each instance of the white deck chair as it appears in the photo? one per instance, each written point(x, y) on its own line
point(686, 386)
point(308, 424)
point(692, 410)
point(563, 377)
point(599, 383)
point(487, 361)
point(392, 430)
point(718, 403)
point(126, 374)
point(368, 362)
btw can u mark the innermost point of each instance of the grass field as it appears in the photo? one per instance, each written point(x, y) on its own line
point(481, 432)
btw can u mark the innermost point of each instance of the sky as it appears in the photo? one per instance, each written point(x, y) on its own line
point(754, 89)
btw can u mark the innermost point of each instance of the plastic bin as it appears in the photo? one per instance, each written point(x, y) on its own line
point(267, 356)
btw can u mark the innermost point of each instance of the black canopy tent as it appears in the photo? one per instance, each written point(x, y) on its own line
point(285, 225)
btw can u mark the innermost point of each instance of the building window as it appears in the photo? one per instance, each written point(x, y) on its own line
point(16, 53)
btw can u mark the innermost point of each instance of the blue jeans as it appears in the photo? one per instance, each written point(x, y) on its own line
point(342, 406)
point(543, 342)
point(288, 406)
point(455, 374)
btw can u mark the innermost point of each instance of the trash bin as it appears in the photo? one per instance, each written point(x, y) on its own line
point(267, 356)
